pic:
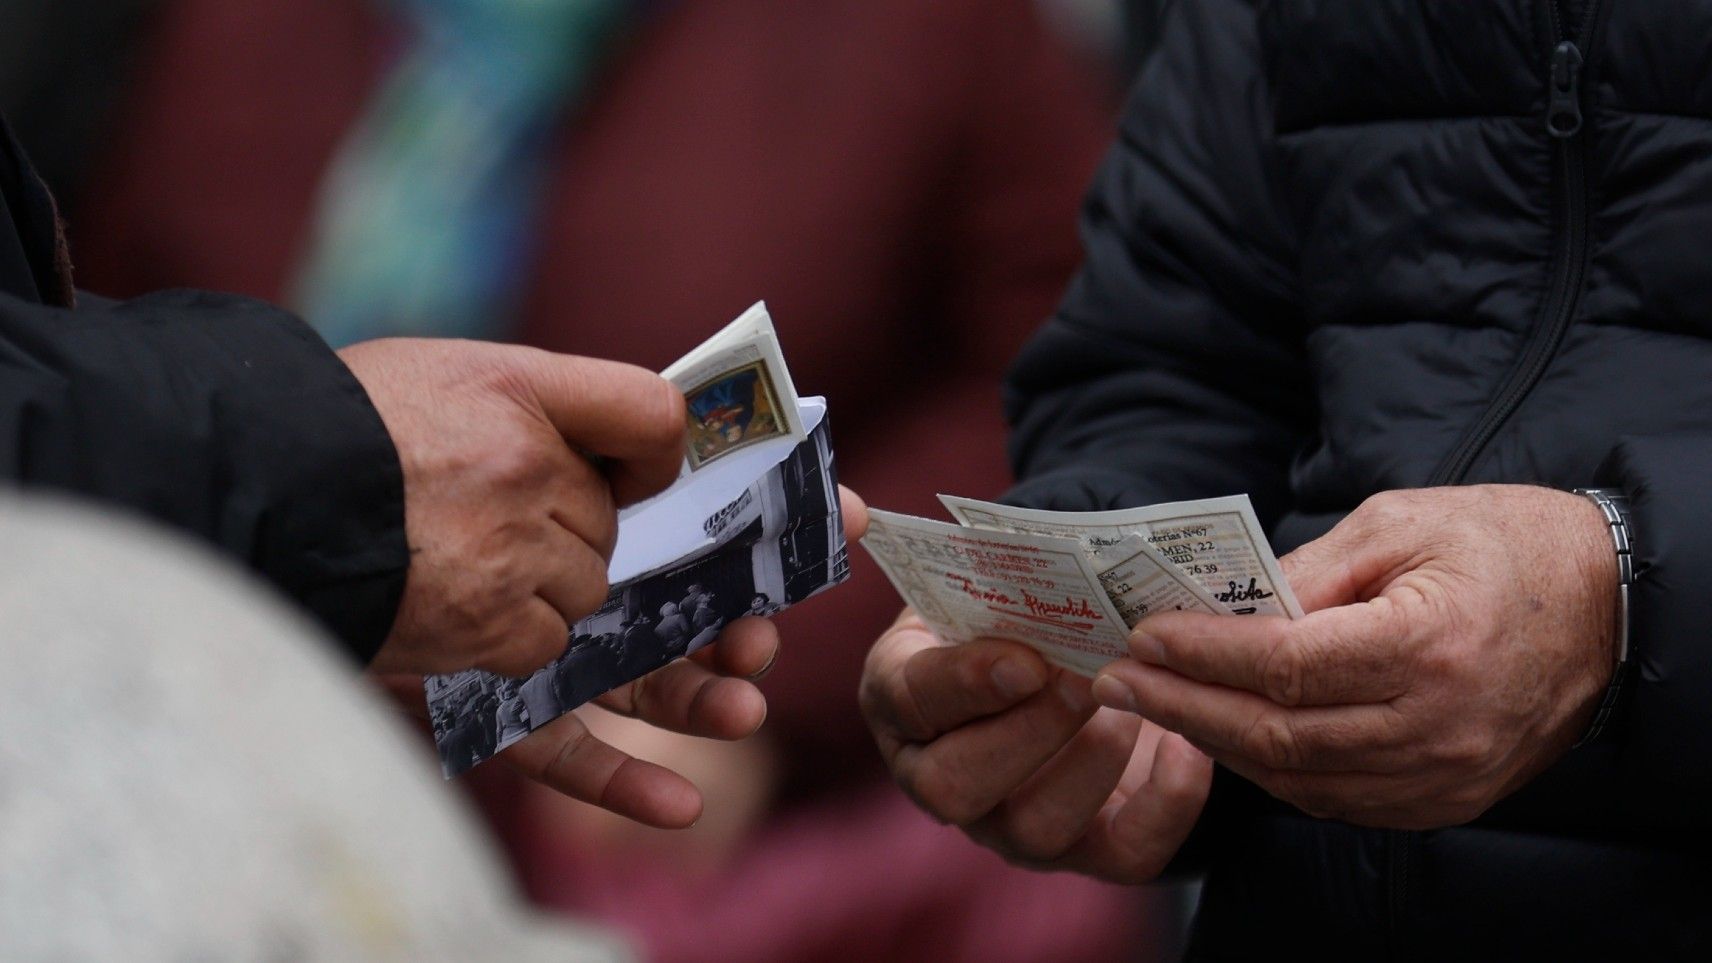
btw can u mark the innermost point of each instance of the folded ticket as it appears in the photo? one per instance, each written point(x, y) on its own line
point(751, 526)
point(1140, 581)
point(1072, 584)
point(1217, 542)
point(737, 389)
point(969, 584)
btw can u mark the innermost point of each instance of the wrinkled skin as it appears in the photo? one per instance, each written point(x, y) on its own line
point(1457, 643)
point(509, 518)
point(989, 737)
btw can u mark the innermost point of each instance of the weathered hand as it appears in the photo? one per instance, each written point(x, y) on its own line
point(710, 694)
point(1457, 643)
point(510, 523)
point(988, 737)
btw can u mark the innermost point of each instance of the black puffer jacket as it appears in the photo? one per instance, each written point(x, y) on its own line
point(1343, 246)
point(222, 417)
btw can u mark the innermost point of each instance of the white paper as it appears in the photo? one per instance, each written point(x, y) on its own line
point(1140, 582)
point(668, 528)
point(968, 584)
point(1217, 542)
point(738, 390)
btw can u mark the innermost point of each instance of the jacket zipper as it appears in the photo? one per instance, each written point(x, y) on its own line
point(1564, 124)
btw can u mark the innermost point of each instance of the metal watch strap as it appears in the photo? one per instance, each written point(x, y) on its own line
point(1614, 505)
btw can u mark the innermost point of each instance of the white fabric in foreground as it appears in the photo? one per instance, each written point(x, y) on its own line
point(188, 772)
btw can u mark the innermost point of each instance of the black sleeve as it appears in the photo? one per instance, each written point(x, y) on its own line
point(1661, 740)
point(220, 416)
point(1174, 366)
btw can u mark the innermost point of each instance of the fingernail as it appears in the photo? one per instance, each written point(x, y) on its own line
point(761, 673)
point(1114, 694)
point(1015, 680)
point(1146, 647)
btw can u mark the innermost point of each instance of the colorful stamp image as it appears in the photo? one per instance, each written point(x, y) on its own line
point(734, 410)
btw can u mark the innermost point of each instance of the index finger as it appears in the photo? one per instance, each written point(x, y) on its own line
point(626, 414)
point(563, 755)
point(916, 688)
point(1336, 656)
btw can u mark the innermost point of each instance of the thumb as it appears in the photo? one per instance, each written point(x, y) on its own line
point(855, 512)
point(1349, 564)
point(628, 415)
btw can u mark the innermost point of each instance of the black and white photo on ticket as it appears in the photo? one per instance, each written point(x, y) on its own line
point(778, 542)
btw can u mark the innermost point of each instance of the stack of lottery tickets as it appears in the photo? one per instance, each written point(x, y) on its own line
point(1072, 584)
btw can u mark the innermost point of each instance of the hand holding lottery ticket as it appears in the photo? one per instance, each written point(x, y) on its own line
point(1072, 584)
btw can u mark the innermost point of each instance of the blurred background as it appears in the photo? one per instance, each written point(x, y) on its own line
point(898, 179)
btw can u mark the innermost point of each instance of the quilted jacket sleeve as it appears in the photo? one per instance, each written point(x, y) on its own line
point(1173, 368)
point(225, 418)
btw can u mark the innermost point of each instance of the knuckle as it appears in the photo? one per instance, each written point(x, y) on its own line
point(942, 794)
point(501, 570)
point(1383, 503)
point(1385, 510)
point(605, 534)
point(467, 610)
point(884, 698)
point(588, 595)
point(910, 708)
point(1472, 751)
point(1273, 741)
point(1458, 748)
point(517, 465)
point(1175, 794)
point(1282, 674)
point(1456, 754)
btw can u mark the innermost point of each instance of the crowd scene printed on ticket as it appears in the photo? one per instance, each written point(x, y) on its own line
point(751, 527)
point(1071, 584)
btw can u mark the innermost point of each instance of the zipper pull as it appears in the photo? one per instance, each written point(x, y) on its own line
point(1563, 113)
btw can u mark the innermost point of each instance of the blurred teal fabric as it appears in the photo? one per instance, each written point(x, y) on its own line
point(426, 219)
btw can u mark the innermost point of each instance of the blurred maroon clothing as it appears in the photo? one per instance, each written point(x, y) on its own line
point(890, 885)
point(898, 179)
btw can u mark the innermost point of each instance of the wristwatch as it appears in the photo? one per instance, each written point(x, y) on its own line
point(1614, 505)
